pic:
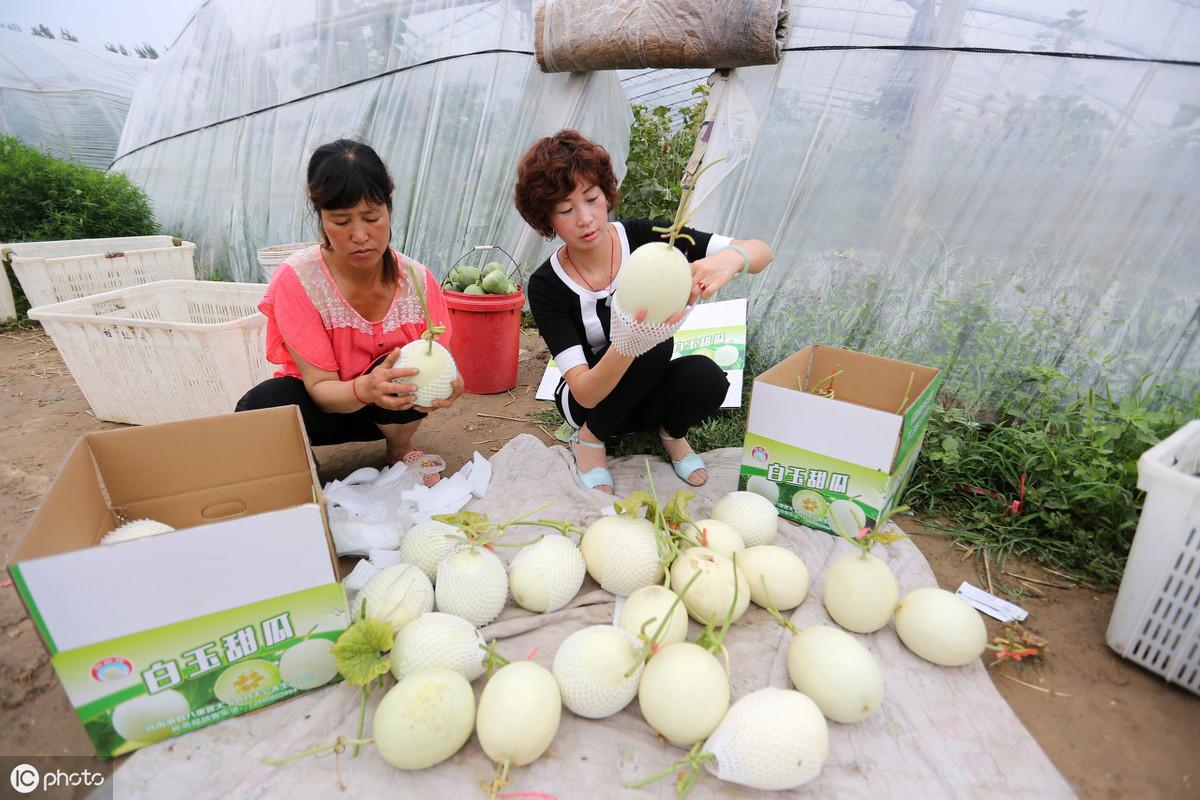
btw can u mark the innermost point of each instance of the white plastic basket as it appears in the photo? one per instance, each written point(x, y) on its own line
point(52, 272)
point(162, 351)
point(1156, 619)
point(271, 257)
point(8, 307)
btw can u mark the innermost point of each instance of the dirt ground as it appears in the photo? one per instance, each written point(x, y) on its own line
point(1113, 729)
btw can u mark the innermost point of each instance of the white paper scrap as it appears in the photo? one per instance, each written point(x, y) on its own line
point(394, 473)
point(363, 571)
point(991, 605)
point(445, 497)
point(353, 536)
point(618, 607)
point(361, 475)
point(479, 474)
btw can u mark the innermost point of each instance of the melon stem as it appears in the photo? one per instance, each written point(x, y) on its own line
point(337, 745)
point(693, 762)
point(499, 779)
point(650, 645)
point(431, 331)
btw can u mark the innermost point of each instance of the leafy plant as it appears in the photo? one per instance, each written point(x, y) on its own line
point(1052, 481)
point(47, 199)
point(658, 153)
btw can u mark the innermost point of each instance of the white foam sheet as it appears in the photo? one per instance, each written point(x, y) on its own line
point(939, 733)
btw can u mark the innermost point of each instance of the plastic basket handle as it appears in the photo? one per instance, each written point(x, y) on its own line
point(480, 248)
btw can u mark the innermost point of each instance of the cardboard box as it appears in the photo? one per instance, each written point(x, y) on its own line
point(158, 636)
point(858, 442)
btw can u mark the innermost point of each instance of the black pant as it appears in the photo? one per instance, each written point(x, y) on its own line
point(322, 426)
point(655, 391)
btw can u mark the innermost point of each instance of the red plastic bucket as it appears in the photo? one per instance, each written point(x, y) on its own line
point(485, 338)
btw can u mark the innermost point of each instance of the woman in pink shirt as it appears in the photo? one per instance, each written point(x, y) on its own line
point(338, 312)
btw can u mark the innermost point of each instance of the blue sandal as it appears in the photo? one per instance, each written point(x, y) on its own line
point(595, 477)
point(687, 465)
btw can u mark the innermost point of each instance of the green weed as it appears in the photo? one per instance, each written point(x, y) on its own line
point(47, 199)
point(1079, 507)
point(657, 158)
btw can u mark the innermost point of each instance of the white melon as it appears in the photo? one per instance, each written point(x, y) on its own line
point(436, 370)
point(594, 542)
point(424, 719)
point(941, 627)
point(656, 277)
point(781, 571)
point(547, 574)
point(684, 693)
point(426, 544)
point(772, 739)
point(472, 584)
point(860, 592)
point(598, 670)
point(136, 529)
point(836, 671)
point(653, 603)
point(438, 640)
point(397, 594)
point(519, 712)
point(710, 598)
point(629, 559)
point(720, 537)
point(752, 515)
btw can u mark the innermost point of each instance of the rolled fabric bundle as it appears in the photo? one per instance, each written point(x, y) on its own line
point(583, 35)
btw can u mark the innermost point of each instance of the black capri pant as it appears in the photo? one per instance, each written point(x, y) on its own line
point(655, 391)
point(322, 426)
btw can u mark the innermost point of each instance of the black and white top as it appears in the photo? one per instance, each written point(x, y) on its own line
point(572, 318)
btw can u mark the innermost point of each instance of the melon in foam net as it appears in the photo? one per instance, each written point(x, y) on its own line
point(436, 370)
point(750, 514)
point(656, 277)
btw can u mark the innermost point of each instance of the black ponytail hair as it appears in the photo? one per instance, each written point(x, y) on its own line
point(341, 174)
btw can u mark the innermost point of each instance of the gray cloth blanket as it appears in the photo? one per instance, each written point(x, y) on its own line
point(940, 732)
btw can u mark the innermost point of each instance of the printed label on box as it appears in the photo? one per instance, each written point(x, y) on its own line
point(802, 484)
point(724, 345)
point(142, 688)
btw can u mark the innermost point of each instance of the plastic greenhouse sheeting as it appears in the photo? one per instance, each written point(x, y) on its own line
point(64, 97)
point(448, 93)
point(1004, 189)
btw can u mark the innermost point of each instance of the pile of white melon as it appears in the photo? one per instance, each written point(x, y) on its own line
point(770, 739)
point(438, 568)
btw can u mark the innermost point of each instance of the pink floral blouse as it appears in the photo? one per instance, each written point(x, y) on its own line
point(305, 309)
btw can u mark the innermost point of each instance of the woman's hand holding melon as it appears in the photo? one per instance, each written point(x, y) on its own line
point(380, 387)
point(457, 385)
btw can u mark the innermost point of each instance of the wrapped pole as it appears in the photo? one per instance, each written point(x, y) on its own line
point(584, 36)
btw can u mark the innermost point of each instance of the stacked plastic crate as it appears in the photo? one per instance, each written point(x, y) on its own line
point(145, 340)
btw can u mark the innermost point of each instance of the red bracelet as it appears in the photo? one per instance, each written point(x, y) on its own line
point(354, 390)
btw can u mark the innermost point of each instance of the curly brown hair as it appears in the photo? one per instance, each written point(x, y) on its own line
point(549, 171)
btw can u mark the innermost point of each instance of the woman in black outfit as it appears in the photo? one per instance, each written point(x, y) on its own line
point(566, 187)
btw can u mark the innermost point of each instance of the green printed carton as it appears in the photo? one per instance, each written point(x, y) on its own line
point(235, 609)
point(829, 424)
